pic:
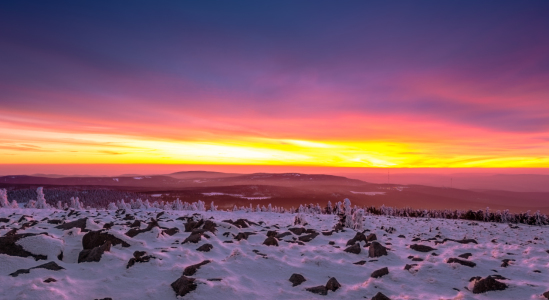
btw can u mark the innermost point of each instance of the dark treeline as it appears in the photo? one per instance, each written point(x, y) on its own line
point(97, 198)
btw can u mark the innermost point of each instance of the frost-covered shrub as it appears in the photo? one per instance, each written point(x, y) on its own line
point(112, 206)
point(41, 200)
point(348, 213)
point(4, 199)
point(358, 220)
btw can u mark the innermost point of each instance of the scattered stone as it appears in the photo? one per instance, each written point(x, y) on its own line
point(9, 247)
point(488, 284)
point(183, 286)
point(272, 233)
point(171, 231)
point(282, 235)
point(243, 235)
point(48, 280)
point(205, 248)
point(332, 284)
point(376, 250)
point(309, 237)
point(421, 248)
point(355, 249)
point(297, 279)
point(546, 295)
point(505, 263)
point(271, 241)
point(193, 238)
point(407, 267)
point(379, 273)
point(48, 266)
point(380, 296)
point(417, 259)
point(465, 255)
point(80, 223)
point(321, 290)
point(371, 237)
point(94, 255)
point(94, 239)
point(133, 232)
point(360, 263)
point(297, 230)
point(191, 270)
point(138, 257)
point(461, 262)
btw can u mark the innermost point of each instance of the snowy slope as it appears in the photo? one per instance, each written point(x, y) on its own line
point(247, 269)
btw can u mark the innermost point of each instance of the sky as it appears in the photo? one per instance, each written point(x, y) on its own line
point(353, 84)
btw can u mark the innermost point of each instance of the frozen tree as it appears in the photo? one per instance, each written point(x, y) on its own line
point(59, 205)
point(213, 207)
point(269, 208)
point(4, 199)
point(329, 208)
point(112, 206)
point(41, 200)
point(201, 205)
point(31, 204)
point(258, 209)
point(300, 219)
point(358, 219)
point(348, 216)
point(14, 204)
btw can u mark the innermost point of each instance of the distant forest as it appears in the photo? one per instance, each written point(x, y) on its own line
point(89, 197)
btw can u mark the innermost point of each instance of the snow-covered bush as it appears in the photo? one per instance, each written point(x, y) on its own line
point(348, 215)
point(41, 200)
point(112, 206)
point(4, 199)
point(358, 220)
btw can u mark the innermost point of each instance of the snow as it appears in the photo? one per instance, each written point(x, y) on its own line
point(115, 179)
point(236, 195)
point(369, 193)
point(138, 178)
point(247, 275)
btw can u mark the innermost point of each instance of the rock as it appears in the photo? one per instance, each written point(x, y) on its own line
point(205, 248)
point(546, 295)
point(402, 236)
point(380, 296)
point(355, 249)
point(282, 235)
point(505, 262)
point(133, 232)
point(210, 226)
point(463, 241)
point(376, 250)
point(321, 290)
point(191, 270)
point(297, 279)
point(193, 238)
point(272, 233)
point(136, 223)
point(297, 230)
point(461, 262)
point(350, 242)
point(309, 237)
point(48, 266)
point(332, 284)
point(326, 233)
point(465, 255)
point(408, 267)
point(94, 239)
point(80, 223)
point(138, 257)
point(488, 284)
point(359, 236)
point(243, 235)
point(48, 280)
point(379, 273)
point(171, 231)
point(271, 241)
point(183, 286)
point(91, 255)
point(360, 263)
point(8, 246)
point(371, 237)
point(421, 248)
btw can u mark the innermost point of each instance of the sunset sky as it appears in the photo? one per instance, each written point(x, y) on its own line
point(430, 84)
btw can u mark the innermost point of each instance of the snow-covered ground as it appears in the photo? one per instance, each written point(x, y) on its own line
point(248, 269)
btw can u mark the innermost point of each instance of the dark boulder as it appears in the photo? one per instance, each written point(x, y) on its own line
point(461, 262)
point(94, 239)
point(80, 223)
point(138, 257)
point(297, 279)
point(371, 237)
point(359, 236)
point(193, 238)
point(205, 248)
point(380, 296)
point(355, 249)
point(49, 280)
point(297, 230)
point(376, 250)
point(321, 290)
point(9, 247)
point(379, 273)
point(48, 266)
point(191, 270)
point(488, 284)
point(271, 241)
point(94, 255)
point(465, 255)
point(332, 284)
point(171, 231)
point(183, 286)
point(307, 238)
point(421, 248)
